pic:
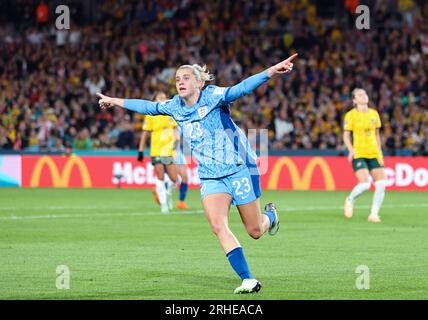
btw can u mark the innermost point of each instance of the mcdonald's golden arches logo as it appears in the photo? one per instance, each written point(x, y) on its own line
point(301, 182)
point(60, 180)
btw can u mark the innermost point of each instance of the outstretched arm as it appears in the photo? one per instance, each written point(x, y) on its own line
point(107, 102)
point(252, 83)
point(137, 105)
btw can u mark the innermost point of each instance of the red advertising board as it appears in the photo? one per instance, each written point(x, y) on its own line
point(91, 172)
point(282, 173)
point(335, 173)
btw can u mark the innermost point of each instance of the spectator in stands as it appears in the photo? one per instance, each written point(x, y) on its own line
point(82, 141)
point(48, 78)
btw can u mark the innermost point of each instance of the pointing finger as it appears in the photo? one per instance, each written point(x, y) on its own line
point(291, 57)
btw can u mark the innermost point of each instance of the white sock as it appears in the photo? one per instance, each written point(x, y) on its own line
point(161, 191)
point(166, 179)
point(378, 197)
point(358, 190)
point(170, 186)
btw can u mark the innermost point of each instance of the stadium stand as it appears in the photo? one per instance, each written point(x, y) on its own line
point(48, 77)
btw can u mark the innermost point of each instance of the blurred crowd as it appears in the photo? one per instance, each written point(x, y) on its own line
point(49, 77)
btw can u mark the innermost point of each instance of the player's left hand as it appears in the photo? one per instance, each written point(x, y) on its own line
point(282, 67)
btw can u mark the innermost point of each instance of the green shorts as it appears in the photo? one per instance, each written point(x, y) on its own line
point(163, 160)
point(366, 163)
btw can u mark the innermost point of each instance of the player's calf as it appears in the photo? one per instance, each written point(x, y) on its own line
point(378, 197)
point(255, 233)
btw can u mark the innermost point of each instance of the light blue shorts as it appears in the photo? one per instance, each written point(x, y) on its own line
point(180, 157)
point(242, 186)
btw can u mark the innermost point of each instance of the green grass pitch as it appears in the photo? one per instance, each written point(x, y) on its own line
point(117, 245)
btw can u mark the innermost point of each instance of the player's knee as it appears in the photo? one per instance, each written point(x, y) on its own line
point(365, 186)
point(255, 233)
point(380, 185)
point(218, 227)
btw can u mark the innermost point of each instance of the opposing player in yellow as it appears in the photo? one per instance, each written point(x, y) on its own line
point(162, 129)
point(365, 152)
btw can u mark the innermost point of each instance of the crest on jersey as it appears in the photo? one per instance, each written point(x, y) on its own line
point(203, 111)
point(374, 123)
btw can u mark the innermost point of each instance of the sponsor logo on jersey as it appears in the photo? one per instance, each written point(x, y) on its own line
point(219, 90)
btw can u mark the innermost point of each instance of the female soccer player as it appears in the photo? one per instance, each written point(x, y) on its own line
point(226, 164)
point(365, 152)
point(162, 130)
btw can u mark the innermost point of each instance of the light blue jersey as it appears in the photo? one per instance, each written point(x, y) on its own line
point(179, 158)
point(216, 142)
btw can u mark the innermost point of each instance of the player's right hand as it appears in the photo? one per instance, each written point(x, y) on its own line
point(140, 156)
point(105, 102)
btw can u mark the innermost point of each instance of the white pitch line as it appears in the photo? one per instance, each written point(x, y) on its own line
point(307, 208)
point(326, 208)
point(60, 208)
point(97, 215)
point(157, 213)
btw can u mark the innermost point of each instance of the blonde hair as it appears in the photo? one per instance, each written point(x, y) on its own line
point(201, 72)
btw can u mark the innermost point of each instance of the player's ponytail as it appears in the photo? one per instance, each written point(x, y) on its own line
point(201, 72)
point(204, 74)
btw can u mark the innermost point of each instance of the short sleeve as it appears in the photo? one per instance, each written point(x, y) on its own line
point(348, 124)
point(147, 126)
point(172, 122)
point(378, 122)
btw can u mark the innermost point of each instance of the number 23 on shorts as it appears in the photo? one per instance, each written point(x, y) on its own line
point(241, 187)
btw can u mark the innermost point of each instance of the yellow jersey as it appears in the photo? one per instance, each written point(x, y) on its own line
point(363, 126)
point(163, 137)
